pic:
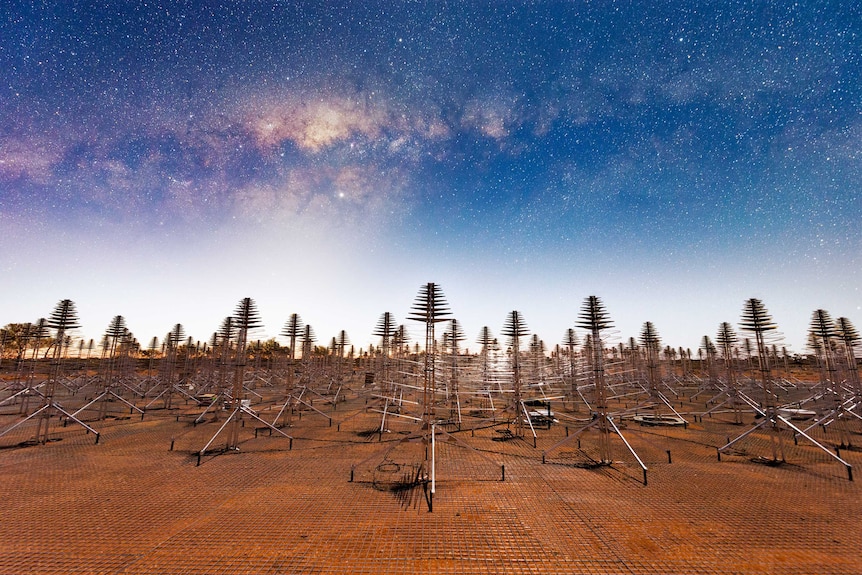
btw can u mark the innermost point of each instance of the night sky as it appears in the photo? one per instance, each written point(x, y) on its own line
point(163, 160)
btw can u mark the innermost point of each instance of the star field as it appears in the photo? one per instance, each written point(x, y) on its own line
point(162, 160)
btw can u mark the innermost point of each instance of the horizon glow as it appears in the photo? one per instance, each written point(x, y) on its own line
point(163, 162)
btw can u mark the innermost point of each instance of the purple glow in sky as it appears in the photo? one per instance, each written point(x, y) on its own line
point(163, 160)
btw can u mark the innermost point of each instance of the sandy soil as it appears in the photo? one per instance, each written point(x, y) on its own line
point(138, 501)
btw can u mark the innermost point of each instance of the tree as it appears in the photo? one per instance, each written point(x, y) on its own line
point(264, 350)
point(14, 338)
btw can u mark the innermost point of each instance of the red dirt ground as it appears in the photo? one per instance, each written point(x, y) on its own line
point(131, 504)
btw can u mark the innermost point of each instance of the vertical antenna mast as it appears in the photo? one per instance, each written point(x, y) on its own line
point(430, 307)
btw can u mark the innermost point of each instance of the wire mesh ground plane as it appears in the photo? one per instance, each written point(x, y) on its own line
point(138, 503)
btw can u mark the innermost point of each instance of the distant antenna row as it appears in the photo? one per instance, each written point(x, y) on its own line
point(599, 392)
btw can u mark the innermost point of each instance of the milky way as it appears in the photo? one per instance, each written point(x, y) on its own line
point(162, 161)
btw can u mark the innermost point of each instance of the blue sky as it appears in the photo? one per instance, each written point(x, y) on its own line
point(163, 160)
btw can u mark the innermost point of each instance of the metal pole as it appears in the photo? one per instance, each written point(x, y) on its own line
point(433, 460)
